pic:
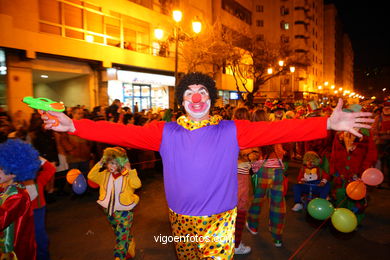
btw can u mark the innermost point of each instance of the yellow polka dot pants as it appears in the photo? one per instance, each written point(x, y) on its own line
point(204, 237)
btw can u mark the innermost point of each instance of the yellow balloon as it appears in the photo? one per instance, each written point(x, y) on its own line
point(344, 220)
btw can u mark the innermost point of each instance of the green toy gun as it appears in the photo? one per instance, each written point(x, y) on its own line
point(45, 104)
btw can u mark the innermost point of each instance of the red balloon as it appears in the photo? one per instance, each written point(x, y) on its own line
point(372, 177)
point(356, 190)
point(92, 184)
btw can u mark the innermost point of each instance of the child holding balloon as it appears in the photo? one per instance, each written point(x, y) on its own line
point(116, 195)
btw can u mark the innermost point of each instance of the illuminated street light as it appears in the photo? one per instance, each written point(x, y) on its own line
point(159, 33)
point(319, 87)
point(281, 63)
point(196, 25)
point(177, 15)
point(384, 89)
point(292, 69)
point(340, 89)
point(269, 70)
point(326, 83)
point(336, 92)
point(373, 97)
point(332, 87)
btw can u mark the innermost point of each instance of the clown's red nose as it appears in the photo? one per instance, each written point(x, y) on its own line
point(196, 98)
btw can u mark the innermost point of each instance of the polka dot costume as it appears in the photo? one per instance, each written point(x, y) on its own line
point(204, 237)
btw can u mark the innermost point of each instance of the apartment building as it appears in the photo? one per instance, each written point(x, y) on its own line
point(90, 52)
point(298, 24)
point(338, 53)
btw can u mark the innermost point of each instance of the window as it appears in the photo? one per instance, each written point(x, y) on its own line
point(259, 8)
point(259, 23)
point(260, 37)
point(284, 25)
point(284, 39)
point(284, 11)
point(237, 10)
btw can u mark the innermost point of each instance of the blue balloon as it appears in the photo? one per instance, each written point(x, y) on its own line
point(79, 185)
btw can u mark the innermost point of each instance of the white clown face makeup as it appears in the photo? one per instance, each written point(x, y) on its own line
point(197, 103)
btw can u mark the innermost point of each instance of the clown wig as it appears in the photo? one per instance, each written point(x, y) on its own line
point(20, 159)
point(312, 157)
point(196, 78)
point(115, 153)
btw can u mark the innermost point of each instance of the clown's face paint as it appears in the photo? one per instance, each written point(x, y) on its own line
point(113, 166)
point(196, 102)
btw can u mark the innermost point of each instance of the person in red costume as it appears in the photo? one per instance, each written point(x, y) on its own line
point(350, 156)
point(199, 184)
point(35, 189)
point(18, 162)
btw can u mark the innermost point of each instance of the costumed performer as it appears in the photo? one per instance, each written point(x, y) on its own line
point(311, 178)
point(117, 184)
point(350, 157)
point(199, 154)
point(19, 162)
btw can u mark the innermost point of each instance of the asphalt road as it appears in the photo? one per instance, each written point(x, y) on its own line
point(78, 229)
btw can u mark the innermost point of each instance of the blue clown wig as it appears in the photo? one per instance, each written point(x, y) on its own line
point(20, 159)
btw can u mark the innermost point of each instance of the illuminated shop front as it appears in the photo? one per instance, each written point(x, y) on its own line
point(146, 90)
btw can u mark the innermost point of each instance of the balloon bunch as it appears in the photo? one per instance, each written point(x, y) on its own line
point(344, 220)
point(77, 179)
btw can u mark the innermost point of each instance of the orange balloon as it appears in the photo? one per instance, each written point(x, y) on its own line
point(72, 175)
point(356, 190)
point(92, 184)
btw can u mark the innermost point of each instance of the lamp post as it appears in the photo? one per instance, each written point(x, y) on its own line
point(178, 34)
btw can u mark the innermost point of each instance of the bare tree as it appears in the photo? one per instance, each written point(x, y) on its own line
point(242, 53)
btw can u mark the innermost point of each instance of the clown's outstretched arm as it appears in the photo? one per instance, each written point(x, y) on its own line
point(147, 137)
point(252, 134)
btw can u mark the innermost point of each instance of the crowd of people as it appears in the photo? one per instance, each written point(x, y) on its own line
point(328, 164)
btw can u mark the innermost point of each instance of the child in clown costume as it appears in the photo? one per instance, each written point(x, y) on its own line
point(19, 162)
point(269, 169)
point(311, 174)
point(199, 154)
point(116, 195)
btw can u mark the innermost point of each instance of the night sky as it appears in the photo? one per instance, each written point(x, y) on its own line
point(368, 25)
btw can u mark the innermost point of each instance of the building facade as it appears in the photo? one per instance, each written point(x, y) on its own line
point(94, 51)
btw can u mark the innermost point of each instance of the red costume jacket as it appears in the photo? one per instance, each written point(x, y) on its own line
point(344, 164)
point(46, 172)
point(16, 209)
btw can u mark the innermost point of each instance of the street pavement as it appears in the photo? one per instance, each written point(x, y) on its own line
point(78, 229)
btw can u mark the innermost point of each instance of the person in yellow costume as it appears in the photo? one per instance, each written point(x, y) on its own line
point(117, 183)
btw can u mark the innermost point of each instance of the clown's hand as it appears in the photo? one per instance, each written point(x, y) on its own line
point(350, 122)
point(63, 123)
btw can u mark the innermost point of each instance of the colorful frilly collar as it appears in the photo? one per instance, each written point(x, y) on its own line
point(189, 124)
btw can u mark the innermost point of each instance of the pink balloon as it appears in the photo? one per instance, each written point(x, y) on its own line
point(372, 177)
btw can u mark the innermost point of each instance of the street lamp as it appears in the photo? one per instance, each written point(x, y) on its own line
point(177, 16)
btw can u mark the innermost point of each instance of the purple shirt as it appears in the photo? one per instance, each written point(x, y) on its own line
point(200, 168)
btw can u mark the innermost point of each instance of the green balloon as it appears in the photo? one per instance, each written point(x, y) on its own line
point(344, 220)
point(320, 208)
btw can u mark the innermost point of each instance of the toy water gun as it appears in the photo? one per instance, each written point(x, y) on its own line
point(43, 105)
